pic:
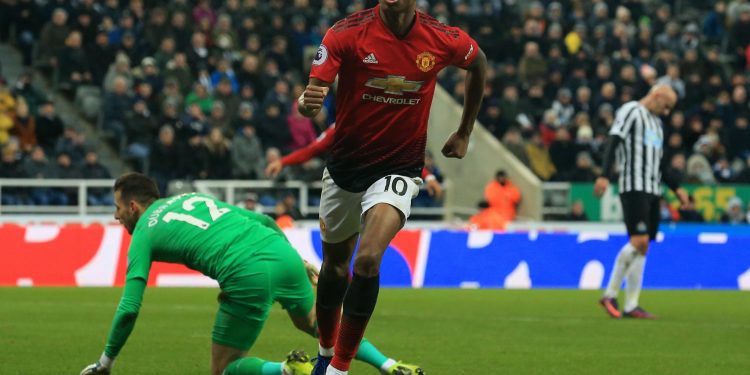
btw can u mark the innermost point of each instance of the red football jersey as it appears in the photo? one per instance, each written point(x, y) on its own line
point(384, 92)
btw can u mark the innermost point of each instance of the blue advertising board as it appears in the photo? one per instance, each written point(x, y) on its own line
point(683, 257)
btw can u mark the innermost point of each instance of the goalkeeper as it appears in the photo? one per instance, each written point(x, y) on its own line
point(244, 251)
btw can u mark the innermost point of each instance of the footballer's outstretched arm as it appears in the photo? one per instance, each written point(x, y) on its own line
point(122, 326)
point(319, 146)
point(127, 312)
point(311, 100)
point(458, 142)
point(139, 265)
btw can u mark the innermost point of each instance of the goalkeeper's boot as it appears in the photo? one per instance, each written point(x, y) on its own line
point(610, 306)
point(321, 365)
point(401, 368)
point(639, 313)
point(297, 363)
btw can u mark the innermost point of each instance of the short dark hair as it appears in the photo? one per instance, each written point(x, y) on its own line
point(137, 187)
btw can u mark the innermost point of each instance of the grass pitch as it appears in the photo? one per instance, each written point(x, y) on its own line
point(449, 332)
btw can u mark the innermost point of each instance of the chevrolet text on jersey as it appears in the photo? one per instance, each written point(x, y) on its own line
point(390, 99)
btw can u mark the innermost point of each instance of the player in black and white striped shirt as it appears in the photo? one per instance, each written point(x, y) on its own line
point(636, 138)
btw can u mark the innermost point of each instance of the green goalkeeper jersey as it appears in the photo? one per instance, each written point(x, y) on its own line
point(204, 234)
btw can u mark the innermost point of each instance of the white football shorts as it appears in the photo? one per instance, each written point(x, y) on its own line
point(342, 212)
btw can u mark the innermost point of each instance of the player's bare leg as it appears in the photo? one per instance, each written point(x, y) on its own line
point(332, 284)
point(306, 324)
point(381, 223)
point(222, 356)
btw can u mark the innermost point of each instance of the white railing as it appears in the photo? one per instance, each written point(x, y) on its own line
point(226, 190)
point(82, 187)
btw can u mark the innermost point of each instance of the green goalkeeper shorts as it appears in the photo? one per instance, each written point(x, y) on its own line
point(274, 273)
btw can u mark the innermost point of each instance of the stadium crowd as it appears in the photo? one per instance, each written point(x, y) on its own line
point(563, 68)
point(36, 143)
point(206, 89)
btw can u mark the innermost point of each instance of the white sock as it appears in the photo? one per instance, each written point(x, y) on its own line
point(623, 260)
point(634, 282)
point(387, 364)
point(325, 352)
point(332, 371)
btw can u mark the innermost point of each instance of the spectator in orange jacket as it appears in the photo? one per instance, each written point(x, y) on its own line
point(502, 196)
point(283, 219)
point(487, 218)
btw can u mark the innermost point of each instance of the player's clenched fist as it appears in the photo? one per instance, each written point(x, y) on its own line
point(456, 146)
point(311, 100)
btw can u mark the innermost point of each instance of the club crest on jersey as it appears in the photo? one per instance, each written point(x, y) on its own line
point(321, 56)
point(425, 61)
point(652, 138)
point(641, 227)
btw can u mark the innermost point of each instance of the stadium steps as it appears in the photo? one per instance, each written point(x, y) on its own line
point(10, 63)
point(465, 179)
point(12, 67)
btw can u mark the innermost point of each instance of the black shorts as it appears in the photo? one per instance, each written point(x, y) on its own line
point(641, 213)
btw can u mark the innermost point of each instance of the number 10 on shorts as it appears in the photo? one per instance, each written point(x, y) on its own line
point(397, 184)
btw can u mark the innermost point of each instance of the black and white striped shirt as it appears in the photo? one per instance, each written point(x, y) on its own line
point(640, 152)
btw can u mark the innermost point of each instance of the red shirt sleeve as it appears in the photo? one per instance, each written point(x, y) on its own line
point(328, 59)
point(310, 151)
point(465, 49)
point(425, 173)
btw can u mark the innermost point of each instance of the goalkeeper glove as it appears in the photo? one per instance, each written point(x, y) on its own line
point(102, 366)
point(312, 272)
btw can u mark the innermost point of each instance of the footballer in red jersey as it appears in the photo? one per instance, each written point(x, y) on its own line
point(385, 90)
point(387, 59)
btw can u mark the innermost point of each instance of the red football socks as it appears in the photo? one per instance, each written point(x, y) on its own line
point(328, 325)
point(331, 292)
point(352, 331)
point(359, 303)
